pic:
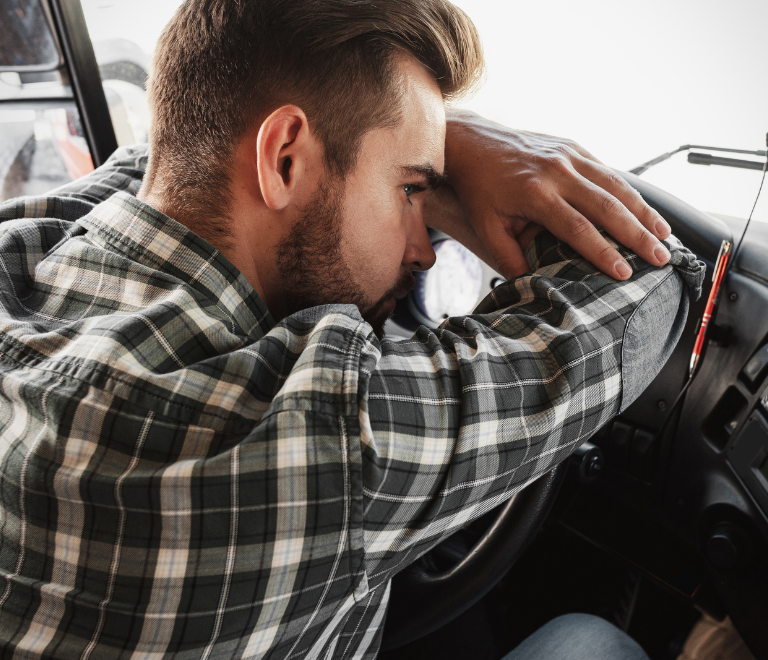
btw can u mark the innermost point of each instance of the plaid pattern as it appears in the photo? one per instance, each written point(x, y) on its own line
point(181, 476)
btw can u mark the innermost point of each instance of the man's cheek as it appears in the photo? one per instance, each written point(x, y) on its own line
point(377, 254)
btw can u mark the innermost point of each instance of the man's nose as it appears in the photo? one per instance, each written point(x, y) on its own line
point(419, 253)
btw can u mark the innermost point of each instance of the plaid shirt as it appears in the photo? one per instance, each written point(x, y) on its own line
point(182, 476)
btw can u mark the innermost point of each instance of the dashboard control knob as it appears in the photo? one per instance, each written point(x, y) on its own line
point(588, 460)
point(755, 370)
point(728, 547)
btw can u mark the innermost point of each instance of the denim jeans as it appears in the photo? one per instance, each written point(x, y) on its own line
point(578, 637)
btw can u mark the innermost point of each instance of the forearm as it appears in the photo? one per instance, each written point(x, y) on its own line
point(656, 321)
point(443, 212)
point(463, 418)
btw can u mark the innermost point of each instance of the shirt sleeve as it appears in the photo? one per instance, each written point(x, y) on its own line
point(458, 420)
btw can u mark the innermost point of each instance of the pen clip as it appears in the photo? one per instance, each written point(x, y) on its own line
point(725, 248)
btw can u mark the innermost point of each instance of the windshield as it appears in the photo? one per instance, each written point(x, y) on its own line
point(632, 80)
point(628, 81)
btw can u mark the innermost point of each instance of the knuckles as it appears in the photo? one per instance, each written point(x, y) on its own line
point(568, 149)
point(615, 182)
point(607, 253)
point(610, 205)
point(557, 163)
point(644, 237)
point(534, 186)
point(578, 224)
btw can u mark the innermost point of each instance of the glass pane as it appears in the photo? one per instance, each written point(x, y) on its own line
point(641, 83)
point(31, 85)
point(25, 36)
point(40, 149)
point(124, 36)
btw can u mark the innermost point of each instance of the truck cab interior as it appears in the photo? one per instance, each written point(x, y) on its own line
point(659, 523)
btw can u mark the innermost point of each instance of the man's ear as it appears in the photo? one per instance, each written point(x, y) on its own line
point(286, 152)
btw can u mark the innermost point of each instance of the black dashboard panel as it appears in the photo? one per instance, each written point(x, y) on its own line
point(707, 478)
point(748, 455)
point(753, 258)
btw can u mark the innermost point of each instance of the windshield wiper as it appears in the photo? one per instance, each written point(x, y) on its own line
point(706, 159)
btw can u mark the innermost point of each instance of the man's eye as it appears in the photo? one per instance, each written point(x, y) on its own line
point(411, 188)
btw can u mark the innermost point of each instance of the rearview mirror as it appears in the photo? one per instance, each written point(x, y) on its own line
point(27, 42)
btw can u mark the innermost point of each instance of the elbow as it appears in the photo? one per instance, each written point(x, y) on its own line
point(651, 335)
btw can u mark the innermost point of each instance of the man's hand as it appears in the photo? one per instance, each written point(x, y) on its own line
point(509, 184)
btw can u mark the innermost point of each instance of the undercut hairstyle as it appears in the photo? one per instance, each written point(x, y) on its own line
point(220, 66)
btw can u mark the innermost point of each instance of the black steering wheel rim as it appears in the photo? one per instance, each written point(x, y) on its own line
point(422, 601)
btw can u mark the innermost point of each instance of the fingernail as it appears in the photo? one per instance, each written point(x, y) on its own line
point(623, 269)
point(662, 227)
point(661, 253)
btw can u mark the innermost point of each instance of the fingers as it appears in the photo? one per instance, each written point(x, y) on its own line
point(609, 201)
point(572, 227)
point(507, 255)
point(580, 150)
point(614, 184)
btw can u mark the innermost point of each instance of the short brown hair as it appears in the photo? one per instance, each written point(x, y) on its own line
point(221, 65)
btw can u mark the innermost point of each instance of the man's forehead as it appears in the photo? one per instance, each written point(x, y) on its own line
point(414, 146)
point(418, 142)
point(421, 101)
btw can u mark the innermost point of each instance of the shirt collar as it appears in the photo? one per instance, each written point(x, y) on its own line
point(155, 240)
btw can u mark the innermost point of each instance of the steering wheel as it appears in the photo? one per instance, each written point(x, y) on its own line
point(423, 601)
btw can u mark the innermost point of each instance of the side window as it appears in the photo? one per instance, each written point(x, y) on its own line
point(41, 136)
point(124, 36)
point(40, 149)
point(44, 141)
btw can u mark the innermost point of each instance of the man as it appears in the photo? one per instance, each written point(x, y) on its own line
point(208, 451)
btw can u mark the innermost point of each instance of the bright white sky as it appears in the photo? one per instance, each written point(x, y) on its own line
point(633, 79)
point(628, 80)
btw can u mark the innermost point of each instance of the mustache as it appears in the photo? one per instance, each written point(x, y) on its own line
point(374, 315)
point(403, 285)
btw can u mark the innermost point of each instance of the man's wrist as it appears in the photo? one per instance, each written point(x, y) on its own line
point(442, 211)
point(457, 133)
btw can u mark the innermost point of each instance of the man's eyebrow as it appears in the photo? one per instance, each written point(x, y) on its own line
point(434, 178)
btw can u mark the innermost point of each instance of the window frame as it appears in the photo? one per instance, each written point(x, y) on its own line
point(85, 78)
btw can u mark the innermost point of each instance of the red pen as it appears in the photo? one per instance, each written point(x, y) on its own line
point(717, 279)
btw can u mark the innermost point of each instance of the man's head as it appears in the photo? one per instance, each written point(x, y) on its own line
point(288, 132)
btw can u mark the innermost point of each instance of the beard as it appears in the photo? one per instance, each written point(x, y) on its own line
point(313, 268)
